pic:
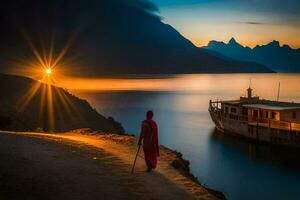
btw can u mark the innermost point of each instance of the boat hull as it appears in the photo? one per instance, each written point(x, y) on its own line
point(254, 132)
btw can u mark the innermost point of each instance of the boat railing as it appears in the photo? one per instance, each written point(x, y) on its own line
point(215, 105)
point(276, 124)
point(269, 123)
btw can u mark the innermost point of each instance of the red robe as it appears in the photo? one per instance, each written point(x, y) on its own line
point(149, 135)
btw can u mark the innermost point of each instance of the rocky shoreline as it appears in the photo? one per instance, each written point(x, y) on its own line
point(182, 166)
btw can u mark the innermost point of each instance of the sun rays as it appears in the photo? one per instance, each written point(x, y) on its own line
point(51, 100)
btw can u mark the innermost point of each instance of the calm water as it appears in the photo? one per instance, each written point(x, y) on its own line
point(240, 169)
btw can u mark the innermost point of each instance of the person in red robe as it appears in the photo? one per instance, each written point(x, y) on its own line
point(149, 136)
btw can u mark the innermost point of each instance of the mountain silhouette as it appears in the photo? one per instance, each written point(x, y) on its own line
point(28, 105)
point(278, 58)
point(106, 37)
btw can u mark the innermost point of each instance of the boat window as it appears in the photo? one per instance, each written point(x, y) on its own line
point(250, 130)
point(255, 113)
point(294, 115)
point(245, 111)
point(261, 114)
point(226, 109)
point(273, 114)
point(233, 110)
point(267, 114)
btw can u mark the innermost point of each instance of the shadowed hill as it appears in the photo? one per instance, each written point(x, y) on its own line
point(26, 104)
point(109, 37)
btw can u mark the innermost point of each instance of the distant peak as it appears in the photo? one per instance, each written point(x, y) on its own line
point(274, 43)
point(215, 42)
point(286, 46)
point(232, 41)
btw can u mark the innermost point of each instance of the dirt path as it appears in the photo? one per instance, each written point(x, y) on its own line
point(74, 166)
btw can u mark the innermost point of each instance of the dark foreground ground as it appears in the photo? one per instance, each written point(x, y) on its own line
point(31, 168)
point(42, 168)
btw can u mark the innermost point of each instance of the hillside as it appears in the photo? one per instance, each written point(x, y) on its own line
point(278, 58)
point(105, 37)
point(28, 105)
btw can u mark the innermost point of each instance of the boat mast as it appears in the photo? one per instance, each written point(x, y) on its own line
point(278, 92)
point(249, 91)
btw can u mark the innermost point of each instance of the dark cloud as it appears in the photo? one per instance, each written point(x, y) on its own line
point(253, 23)
point(144, 5)
point(288, 9)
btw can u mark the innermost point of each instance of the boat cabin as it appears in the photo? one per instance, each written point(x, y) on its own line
point(288, 113)
point(252, 108)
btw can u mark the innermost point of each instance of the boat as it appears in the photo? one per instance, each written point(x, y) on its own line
point(262, 120)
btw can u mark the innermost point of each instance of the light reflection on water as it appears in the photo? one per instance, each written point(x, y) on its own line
point(240, 169)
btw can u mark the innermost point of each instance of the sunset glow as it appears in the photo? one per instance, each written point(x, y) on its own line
point(197, 83)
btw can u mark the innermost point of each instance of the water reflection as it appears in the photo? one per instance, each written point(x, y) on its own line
point(275, 155)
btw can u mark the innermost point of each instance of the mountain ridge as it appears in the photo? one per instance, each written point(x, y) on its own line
point(234, 41)
point(281, 58)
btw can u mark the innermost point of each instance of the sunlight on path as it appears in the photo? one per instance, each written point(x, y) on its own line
point(124, 148)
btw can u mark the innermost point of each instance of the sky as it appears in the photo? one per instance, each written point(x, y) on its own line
point(250, 22)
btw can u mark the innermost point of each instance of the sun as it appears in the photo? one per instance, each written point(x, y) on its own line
point(48, 71)
point(47, 75)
